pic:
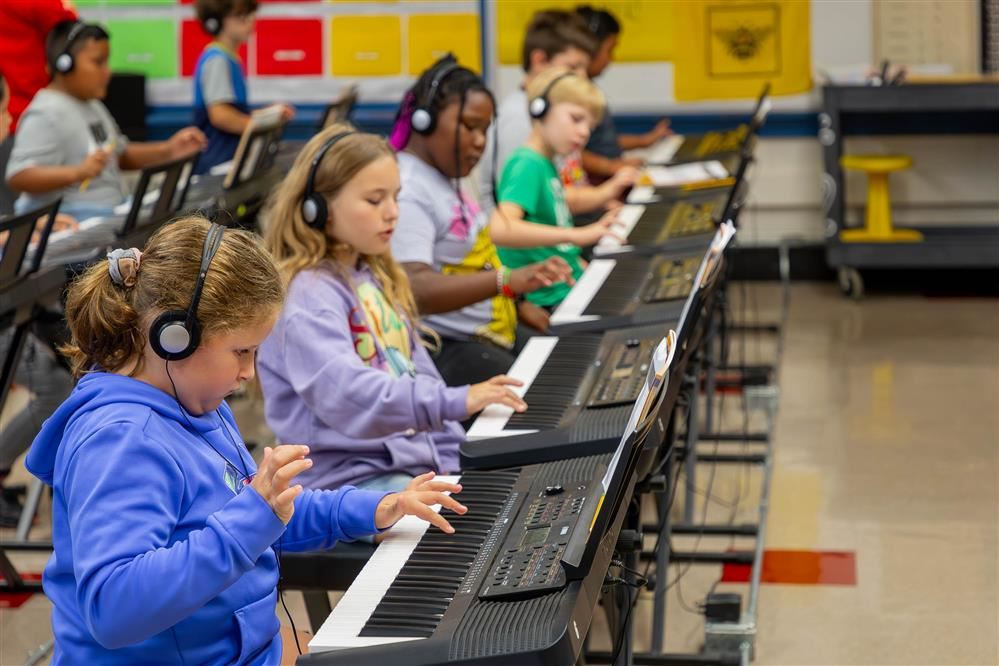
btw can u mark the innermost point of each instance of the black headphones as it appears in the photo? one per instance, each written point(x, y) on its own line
point(539, 106)
point(314, 209)
point(424, 119)
point(64, 62)
point(175, 334)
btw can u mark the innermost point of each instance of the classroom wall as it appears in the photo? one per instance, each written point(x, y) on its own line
point(955, 178)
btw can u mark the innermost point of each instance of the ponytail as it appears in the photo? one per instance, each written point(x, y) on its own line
point(110, 307)
point(105, 327)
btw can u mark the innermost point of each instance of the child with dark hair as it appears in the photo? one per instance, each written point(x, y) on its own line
point(68, 145)
point(445, 241)
point(221, 104)
point(604, 154)
point(554, 38)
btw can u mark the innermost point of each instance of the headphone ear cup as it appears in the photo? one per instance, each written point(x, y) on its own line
point(314, 211)
point(212, 25)
point(64, 63)
point(538, 107)
point(172, 338)
point(422, 121)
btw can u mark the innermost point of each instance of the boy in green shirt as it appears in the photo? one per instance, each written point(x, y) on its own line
point(564, 109)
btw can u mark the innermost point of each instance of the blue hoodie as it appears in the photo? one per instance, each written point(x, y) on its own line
point(156, 559)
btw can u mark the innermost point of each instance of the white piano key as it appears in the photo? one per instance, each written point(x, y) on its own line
point(685, 174)
point(341, 628)
point(643, 194)
point(663, 152)
point(493, 419)
point(571, 309)
point(627, 217)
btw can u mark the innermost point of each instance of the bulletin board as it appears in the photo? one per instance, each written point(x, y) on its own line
point(302, 51)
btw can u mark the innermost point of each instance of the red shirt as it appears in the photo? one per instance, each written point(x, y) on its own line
point(24, 25)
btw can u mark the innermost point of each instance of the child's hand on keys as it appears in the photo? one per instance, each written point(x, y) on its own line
point(422, 493)
point(280, 465)
point(494, 392)
point(592, 233)
point(658, 133)
point(287, 112)
point(186, 142)
point(545, 273)
point(92, 165)
point(624, 178)
point(534, 316)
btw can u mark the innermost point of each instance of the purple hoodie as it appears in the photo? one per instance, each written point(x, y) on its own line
point(366, 402)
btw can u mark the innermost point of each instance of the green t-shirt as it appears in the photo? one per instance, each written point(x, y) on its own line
point(530, 181)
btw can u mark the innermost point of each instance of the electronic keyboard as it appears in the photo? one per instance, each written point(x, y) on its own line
point(579, 391)
point(676, 222)
point(519, 579)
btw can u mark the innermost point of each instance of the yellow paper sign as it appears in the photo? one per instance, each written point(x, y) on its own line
point(432, 36)
point(366, 45)
point(730, 48)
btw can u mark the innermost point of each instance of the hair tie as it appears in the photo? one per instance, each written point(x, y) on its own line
point(123, 265)
point(402, 129)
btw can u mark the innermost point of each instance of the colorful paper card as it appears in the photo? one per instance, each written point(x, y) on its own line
point(144, 46)
point(366, 45)
point(434, 35)
point(289, 47)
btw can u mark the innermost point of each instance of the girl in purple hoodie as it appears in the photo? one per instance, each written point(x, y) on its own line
point(346, 368)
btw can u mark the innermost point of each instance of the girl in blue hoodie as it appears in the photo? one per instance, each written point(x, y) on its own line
point(166, 536)
point(345, 368)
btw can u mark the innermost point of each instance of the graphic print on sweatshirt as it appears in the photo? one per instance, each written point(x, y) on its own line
point(389, 346)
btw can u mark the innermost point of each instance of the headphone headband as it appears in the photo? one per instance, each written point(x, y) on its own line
point(64, 62)
point(539, 106)
point(424, 119)
point(175, 334)
point(213, 240)
point(314, 205)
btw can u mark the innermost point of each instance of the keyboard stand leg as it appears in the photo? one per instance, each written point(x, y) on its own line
point(690, 453)
point(662, 568)
point(31, 502)
point(317, 606)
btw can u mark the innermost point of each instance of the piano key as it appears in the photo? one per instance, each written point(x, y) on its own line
point(492, 421)
point(643, 194)
point(627, 217)
point(664, 151)
point(554, 389)
point(342, 628)
point(572, 307)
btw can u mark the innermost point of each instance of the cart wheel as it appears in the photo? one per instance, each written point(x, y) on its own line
point(851, 283)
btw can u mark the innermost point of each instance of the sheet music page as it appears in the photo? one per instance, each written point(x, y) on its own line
point(683, 174)
point(662, 358)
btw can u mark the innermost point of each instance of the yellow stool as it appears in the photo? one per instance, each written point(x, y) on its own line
point(877, 225)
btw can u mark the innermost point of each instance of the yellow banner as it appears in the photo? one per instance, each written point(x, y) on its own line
point(645, 27)
point(730, 48)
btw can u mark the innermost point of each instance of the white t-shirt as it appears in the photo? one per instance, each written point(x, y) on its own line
point(60, 130)
point(451, 237)
point(513, 127)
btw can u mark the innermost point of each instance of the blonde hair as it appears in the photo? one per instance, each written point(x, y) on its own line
point(109, 323)
point(296, 246)
point(571, 88)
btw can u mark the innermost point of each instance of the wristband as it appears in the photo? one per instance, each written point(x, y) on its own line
point(503, 282)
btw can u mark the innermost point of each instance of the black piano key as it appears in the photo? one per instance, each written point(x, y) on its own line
point(419, 596)
point(621, 288)
point(552, 391)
